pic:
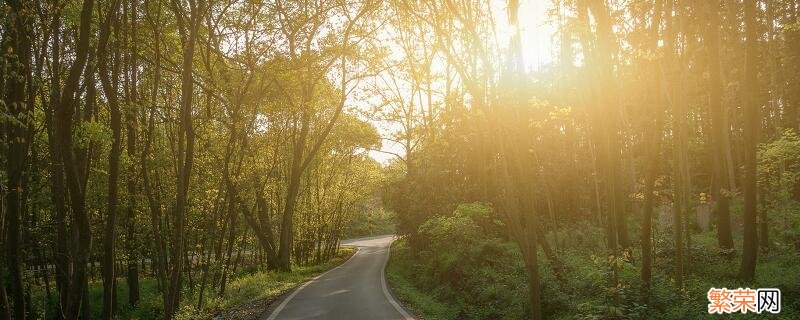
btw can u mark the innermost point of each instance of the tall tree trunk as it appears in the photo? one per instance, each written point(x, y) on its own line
point(18, 40)
point(752, 122)
point(517, 183)
point(108, 71)
point(131, 124)
point(292, 191)
point(159, 263)
point(56, 168)
point(610, 107)
point(77, 304)
point(721, 189)
point(186, 137)
point(654, 139)
point(607, 116)
point(680, 172)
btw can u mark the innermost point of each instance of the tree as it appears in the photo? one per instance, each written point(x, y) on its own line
point(74, 161)
point(721, 185)
point(751, 128)
point(108, 71)
point(16, 84)
point(314, 70)
point(188, 24)
point(652, 163)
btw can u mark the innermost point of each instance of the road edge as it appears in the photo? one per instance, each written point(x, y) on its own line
point(285, 301)
point(386, 290)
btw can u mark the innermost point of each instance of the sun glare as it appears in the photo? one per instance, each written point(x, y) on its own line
point(537, 27)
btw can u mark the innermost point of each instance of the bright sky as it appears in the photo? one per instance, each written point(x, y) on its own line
point(537, 47)
point(537, 32)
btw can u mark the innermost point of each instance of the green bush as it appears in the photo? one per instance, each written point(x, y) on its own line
point(464, 266)
point(462, 269)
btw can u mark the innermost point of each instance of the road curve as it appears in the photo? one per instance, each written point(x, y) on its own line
point(354, 290)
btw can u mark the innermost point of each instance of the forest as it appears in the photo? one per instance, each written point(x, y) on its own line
point(536, 159)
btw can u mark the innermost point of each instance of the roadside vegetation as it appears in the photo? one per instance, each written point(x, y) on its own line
point(653, 157)
point(247, 295)
point(465, 268)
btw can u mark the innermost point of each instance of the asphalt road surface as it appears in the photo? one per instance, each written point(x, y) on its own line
point(352, 291)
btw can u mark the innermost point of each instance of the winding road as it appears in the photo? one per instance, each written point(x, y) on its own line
point(355, 290)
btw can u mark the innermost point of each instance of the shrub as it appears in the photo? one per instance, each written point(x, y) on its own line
point(463, 263)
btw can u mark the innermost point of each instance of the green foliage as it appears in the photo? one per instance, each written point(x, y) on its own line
point(459, 271)
point(371, 221)
point(92, 133)
point(779, 165)
point(421, 302)
point(779, 176)
point(476, 274)
point(243, 289)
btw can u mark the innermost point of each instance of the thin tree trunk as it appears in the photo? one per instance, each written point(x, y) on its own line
point(228, 254)
point(131, 125)
point(186, 137)
point(109, 82)
point(159, 262)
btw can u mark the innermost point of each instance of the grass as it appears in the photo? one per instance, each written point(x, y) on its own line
point(246, 295)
